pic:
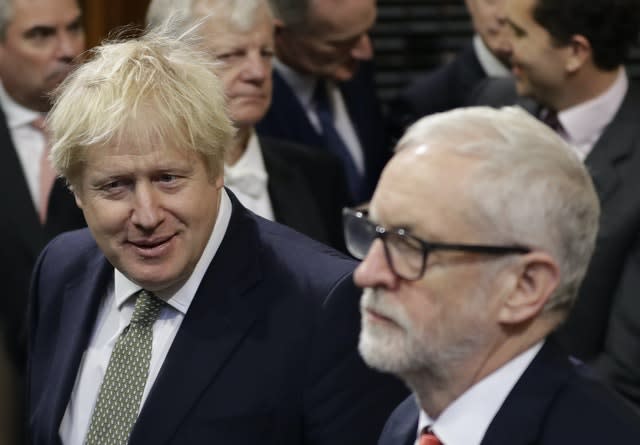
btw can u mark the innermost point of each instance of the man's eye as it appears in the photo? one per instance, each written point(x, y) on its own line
point(112, 185)
point(166, 177)
point(39, 33)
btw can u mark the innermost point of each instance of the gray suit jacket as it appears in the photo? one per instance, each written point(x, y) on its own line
point(604, 326)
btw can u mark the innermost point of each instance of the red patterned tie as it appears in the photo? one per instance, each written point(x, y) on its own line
point(428, 438)
point(47, 173)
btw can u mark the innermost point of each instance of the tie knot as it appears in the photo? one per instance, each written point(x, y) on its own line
point(428, 438)
point(147, 308)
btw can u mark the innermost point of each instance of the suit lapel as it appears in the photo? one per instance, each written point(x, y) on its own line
point(224, 308)
point(78, 314)
point(291, 115)
point(402, 426)
point(18, 205)
point(533, 394)
point(616, 143)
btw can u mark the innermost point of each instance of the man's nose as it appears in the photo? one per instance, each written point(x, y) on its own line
point(256, 67)
point(147, 210)
point(70, 44)
point(363, 49)
point(374, 270)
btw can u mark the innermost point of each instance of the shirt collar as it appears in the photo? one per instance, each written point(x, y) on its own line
point(250, 161)
point(16, 114)
point(182, 298)
point(467, 419)
point(489, 63)
point(303, 85)
point(585, 122)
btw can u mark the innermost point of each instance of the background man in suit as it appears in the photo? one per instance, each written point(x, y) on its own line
point(573, 70)
point(323, 93)
point(178, 316)
point(464, 318)
point(450, 86)
point(39, 40)
point(295, 185)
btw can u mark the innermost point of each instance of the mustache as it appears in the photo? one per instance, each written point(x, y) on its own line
point(375, 300)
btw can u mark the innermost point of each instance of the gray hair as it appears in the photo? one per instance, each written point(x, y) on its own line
point(529, 187)
point(159, 86)
point(242, 14)
point(6, 14)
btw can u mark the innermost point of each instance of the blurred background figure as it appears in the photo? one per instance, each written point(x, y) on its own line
point(569, 70)
point(295, 185)
point(39, 42)
point(324, 95)
point(450, 86)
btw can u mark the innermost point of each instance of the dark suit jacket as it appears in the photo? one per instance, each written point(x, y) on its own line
point(266, 353)
point(443, 89)
point(307, 189)
point(22, 236)
point(604, 326)
point(287, 119)
point(554, 403)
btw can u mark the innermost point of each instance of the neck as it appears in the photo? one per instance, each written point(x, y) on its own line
point(584, 86)
point(437, 389)
point(238, 145)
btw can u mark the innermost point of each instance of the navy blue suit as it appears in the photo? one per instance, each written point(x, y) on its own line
point(287, 119)
point(22, 236)
point(265, 354)
point(554, 403)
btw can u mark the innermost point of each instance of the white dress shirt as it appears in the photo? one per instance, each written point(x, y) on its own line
point(28, 141)
point(467, 419)
point(114, 315)
point(583, 124)
point(248, 180)
point(303, 87)
point(489, 63)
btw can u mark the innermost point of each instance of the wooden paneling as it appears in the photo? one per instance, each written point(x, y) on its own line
point(103, 16)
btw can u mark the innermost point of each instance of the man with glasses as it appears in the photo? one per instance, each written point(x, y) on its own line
point(474, 244)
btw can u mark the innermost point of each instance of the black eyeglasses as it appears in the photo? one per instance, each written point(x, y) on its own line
point(406, 254)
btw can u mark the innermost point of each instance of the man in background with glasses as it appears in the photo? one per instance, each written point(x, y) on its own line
point(474, 245)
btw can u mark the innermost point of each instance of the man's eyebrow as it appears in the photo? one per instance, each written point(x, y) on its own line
point(39, 30)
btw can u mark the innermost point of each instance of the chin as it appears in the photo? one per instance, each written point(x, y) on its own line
point(383, 351)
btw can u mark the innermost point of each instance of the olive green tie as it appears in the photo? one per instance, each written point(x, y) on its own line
point(121, 391)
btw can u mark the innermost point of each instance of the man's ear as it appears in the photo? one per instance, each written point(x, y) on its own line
point(534, 278)
point(580, 52)
point(278, 26)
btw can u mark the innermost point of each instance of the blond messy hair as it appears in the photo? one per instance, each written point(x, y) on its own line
point(158, 87)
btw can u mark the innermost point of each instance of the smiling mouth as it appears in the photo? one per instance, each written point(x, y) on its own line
point(151, 247)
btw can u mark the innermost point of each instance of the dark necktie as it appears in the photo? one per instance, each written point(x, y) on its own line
point(334, 142)
point(428, 438)
point(118, 402)
point(550, 117)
